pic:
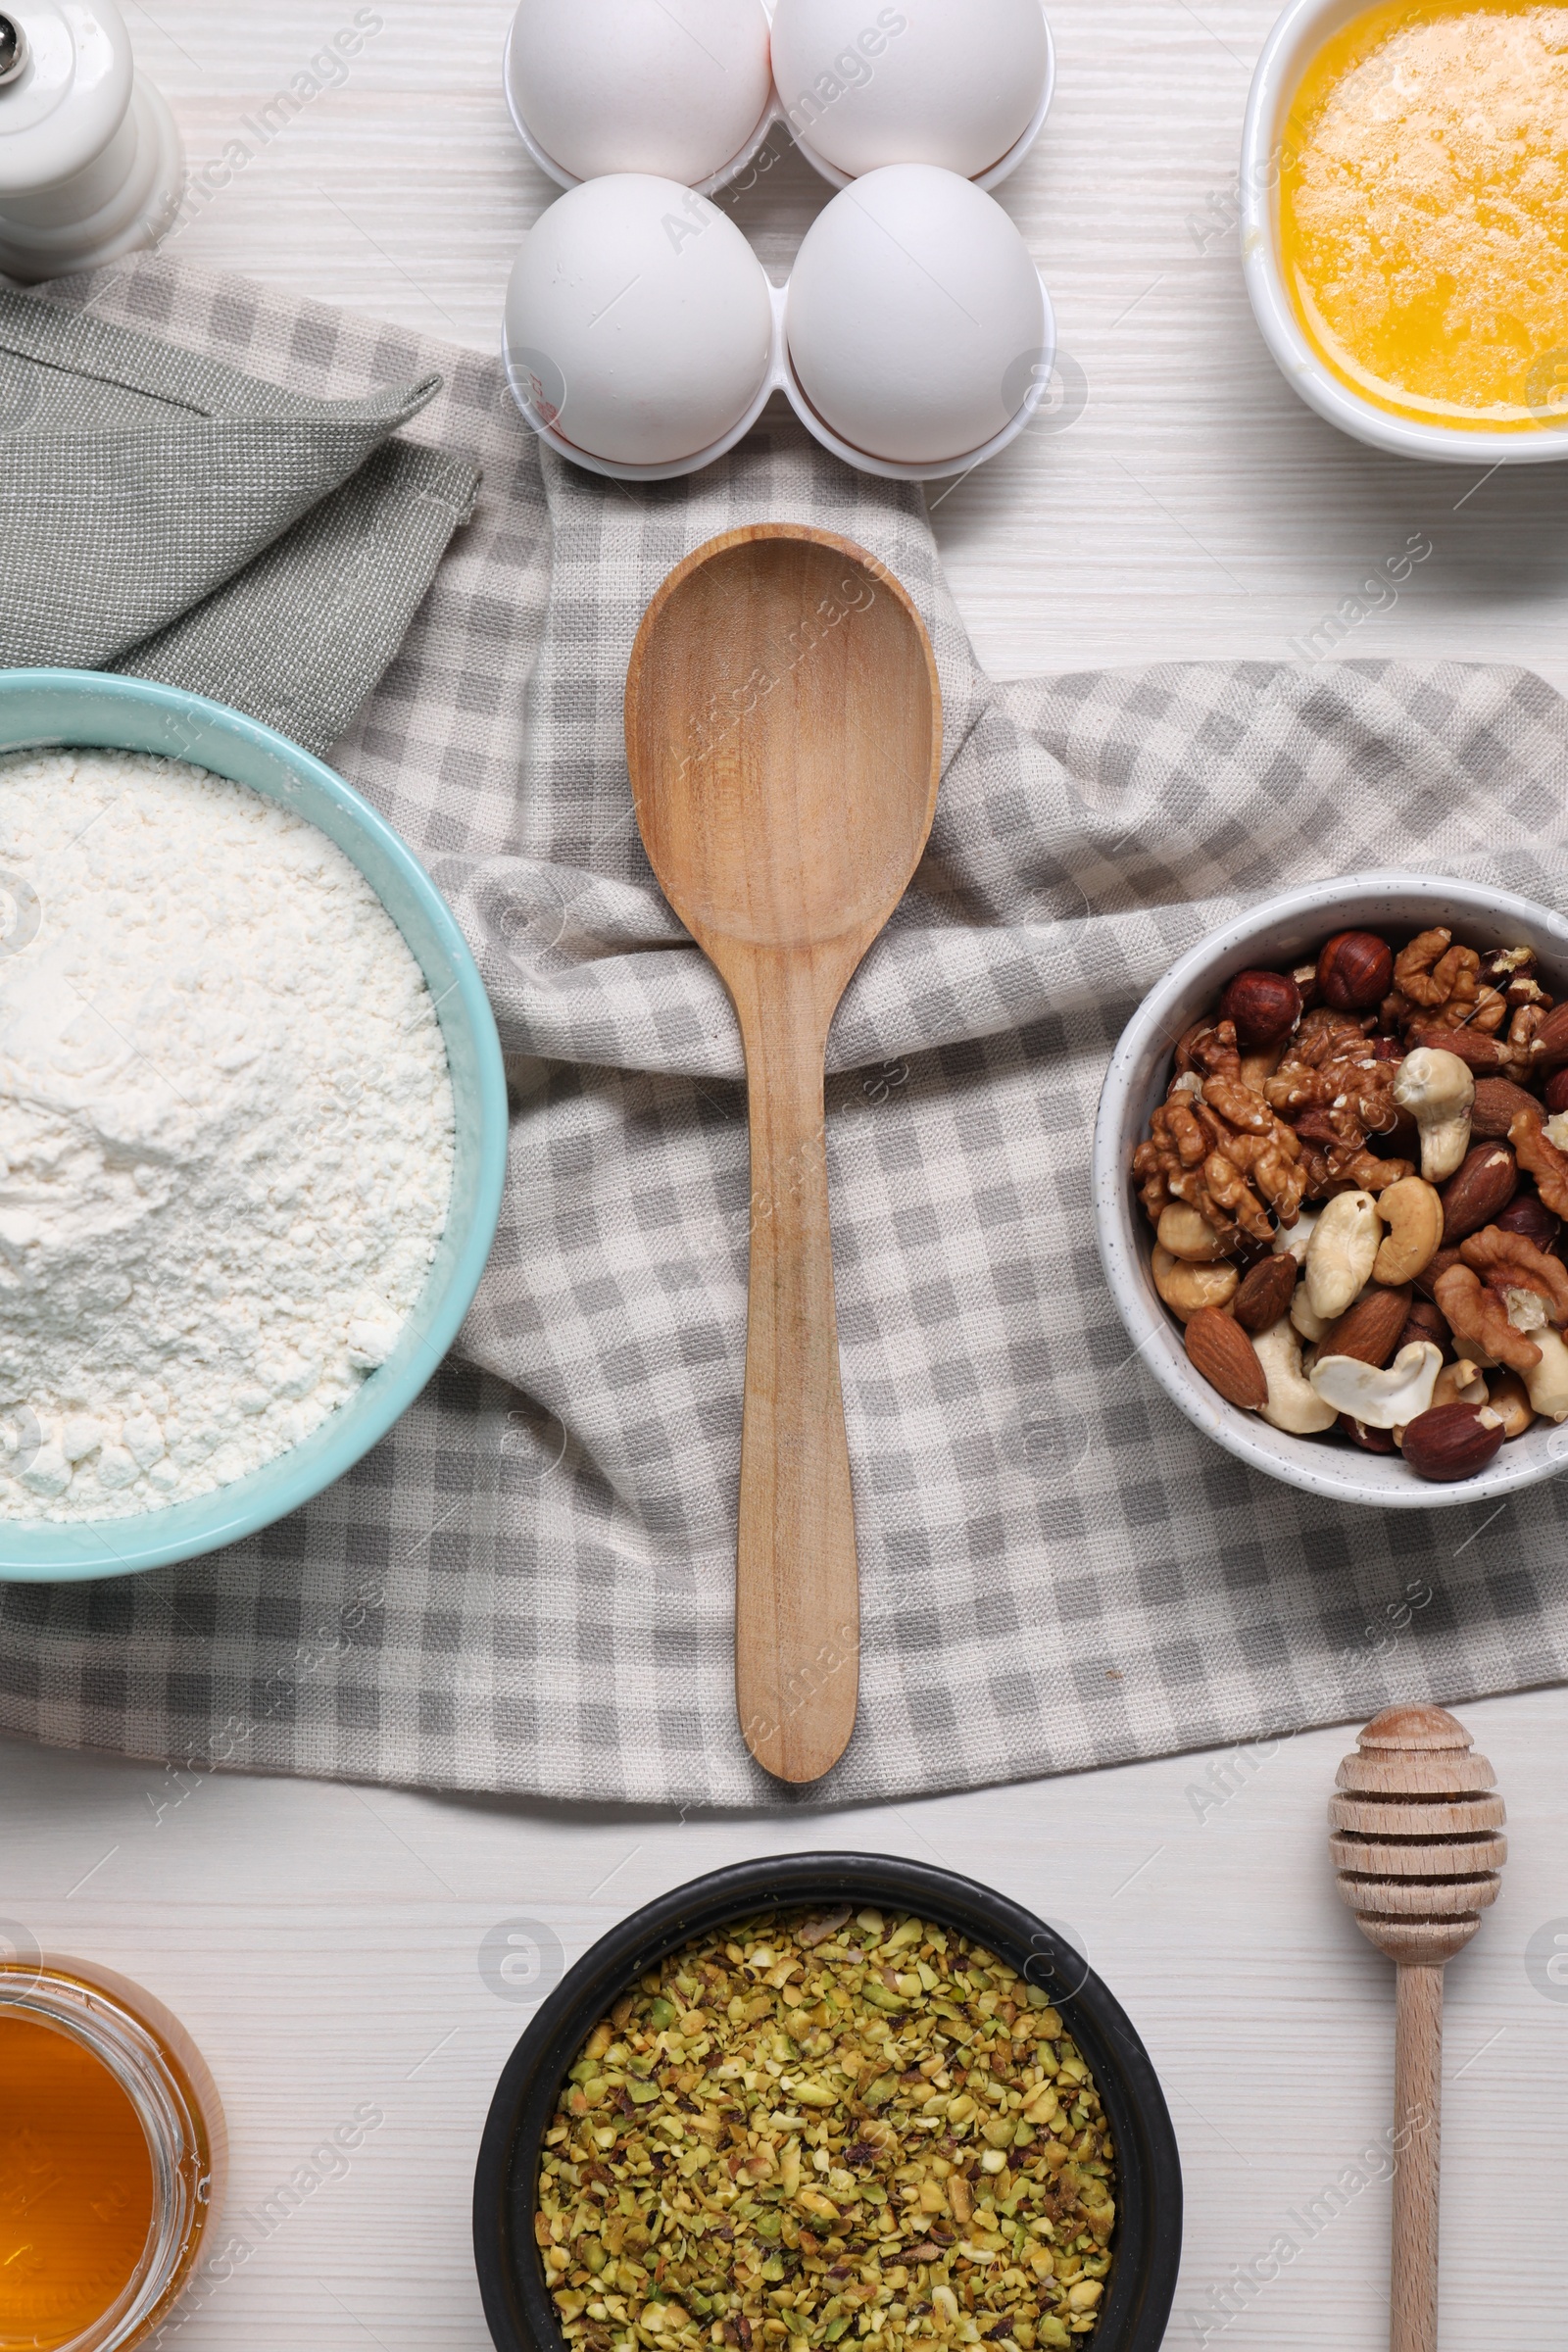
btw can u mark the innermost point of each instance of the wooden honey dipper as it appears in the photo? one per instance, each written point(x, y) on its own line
point(1417, 1846)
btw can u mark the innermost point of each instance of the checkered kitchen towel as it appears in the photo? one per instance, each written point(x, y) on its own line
point(165, 515)
point(528, 1587)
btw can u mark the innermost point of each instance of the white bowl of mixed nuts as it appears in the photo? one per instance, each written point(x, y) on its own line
point(1331, 1189)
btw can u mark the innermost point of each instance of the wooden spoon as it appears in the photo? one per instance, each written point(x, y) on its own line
point(1418, 1845)
point(784, 733)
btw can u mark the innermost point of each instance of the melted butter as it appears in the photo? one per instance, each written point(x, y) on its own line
point(75, 2187)
point(1424, 211)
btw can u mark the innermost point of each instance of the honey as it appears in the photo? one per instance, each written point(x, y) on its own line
point(76, 2186)
point(112, 2158)
point(1424, 211)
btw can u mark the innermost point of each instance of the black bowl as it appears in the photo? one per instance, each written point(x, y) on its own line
point(1149, 2188)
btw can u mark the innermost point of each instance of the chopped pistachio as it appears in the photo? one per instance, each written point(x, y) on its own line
point(816, 2129)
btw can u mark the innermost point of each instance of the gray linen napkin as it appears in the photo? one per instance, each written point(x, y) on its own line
point(529, 1587)
point(164, 514)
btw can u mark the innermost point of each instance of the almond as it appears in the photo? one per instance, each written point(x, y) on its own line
point(1549, 1047)
point(1267, 1292)
point(1370, 1330)
point(1222, 1353)
point(1473, 1195)
point(1480, 1054)
point(1454, 1441)
point(1497, 1104)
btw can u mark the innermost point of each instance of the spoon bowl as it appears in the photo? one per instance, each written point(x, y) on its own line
point(784, 735)
point(761, 657)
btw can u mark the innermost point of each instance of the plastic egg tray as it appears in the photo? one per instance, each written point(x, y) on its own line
point(776, 112)
point(915, 369)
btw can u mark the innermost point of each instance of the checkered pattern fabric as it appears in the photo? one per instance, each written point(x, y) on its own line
point(164, 514)
point(529, 1587)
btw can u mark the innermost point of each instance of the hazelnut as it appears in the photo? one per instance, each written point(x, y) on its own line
point(1426, 1320)
point(1533, 1218)
point(1305, 978)
point(1370, 1440)
point(1355, 970)
point(1266, 1006)
point(1454, 1441)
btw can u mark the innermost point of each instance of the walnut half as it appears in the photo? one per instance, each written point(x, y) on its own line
point(1227, 1155)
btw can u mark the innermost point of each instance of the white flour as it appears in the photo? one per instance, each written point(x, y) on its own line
point(226, 1133)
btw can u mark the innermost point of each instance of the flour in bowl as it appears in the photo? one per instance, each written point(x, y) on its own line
point(226, 1133)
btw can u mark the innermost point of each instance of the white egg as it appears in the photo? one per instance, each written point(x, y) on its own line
point(915, 317)
point(670, 86)
point(953, 82)
point(642, 320)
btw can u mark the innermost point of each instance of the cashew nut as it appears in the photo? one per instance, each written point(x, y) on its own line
point(1186, 1234)
point(1308, 1322)
point(1439, 1089)
point(1510, 1399)
point(1413, 1212)
point(1293, 1404)
point(1460, 1384)
point(1341, 1252)
point(1291, 1240)
point(1389, 1400)
point(1185, 1288)
point(1548, 1382)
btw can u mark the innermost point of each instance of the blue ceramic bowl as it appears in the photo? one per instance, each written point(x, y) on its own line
point(41, 707)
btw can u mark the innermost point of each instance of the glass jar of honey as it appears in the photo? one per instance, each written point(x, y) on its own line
point(112, 2158)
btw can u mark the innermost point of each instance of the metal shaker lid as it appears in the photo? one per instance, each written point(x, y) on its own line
point(13, 51)
point(66, 92)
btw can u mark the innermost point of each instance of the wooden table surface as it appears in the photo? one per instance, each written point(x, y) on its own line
point(332, 1947)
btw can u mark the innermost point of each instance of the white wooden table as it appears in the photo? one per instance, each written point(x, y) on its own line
point(323, 1943)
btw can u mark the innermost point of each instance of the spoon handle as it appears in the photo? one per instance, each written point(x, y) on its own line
point(798, 1606)
point(1417, 2105)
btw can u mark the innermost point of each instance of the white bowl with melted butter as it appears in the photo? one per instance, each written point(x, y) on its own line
point(1408, 420)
